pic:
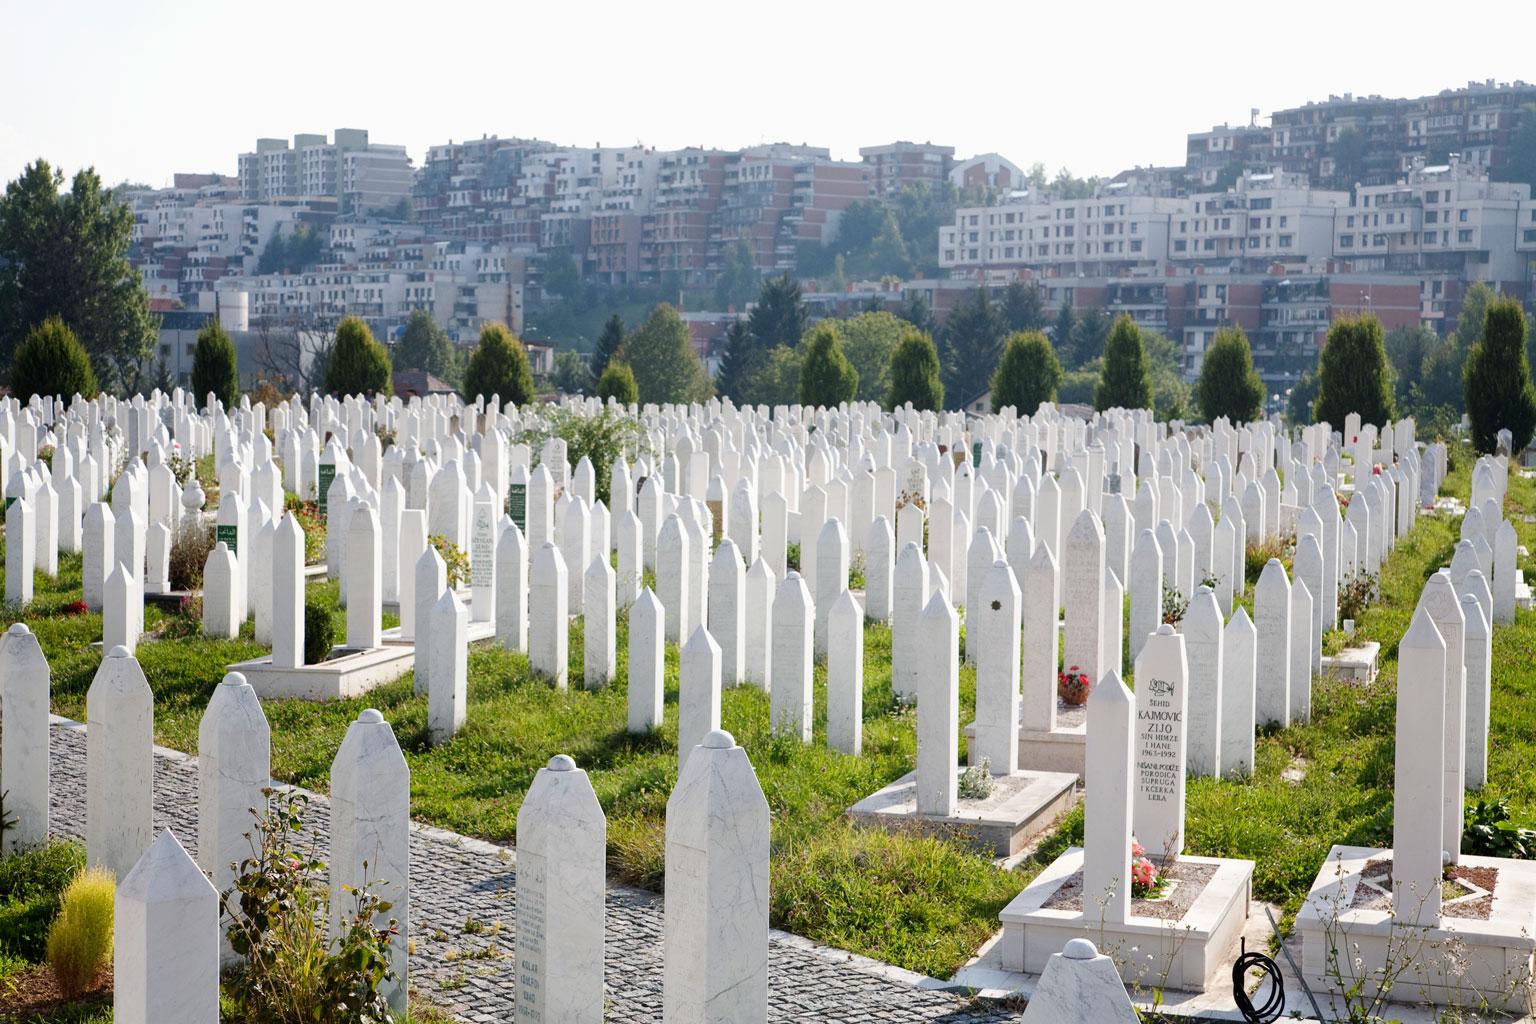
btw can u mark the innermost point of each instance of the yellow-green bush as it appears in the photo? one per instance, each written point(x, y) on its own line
point(81, 938)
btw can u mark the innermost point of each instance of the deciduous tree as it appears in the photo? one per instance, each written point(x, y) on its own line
point(661, 354)
point(618, 383)
point(869, 341)
point(64, 254)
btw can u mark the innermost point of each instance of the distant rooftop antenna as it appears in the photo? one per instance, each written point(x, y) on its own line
point(1253, 117)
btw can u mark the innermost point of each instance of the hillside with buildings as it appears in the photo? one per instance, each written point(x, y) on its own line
point(1393, 205)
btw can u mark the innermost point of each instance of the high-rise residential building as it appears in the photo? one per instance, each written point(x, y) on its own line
point(360, 175)
point(898, 164)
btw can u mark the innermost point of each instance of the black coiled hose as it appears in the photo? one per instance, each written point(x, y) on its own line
point(1274, 1005)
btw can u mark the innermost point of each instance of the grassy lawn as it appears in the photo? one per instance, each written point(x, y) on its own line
point(917, 903)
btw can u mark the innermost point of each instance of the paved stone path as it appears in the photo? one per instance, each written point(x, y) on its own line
point(456, 880)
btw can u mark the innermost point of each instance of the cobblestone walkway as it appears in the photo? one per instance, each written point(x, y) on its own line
point(458, 882)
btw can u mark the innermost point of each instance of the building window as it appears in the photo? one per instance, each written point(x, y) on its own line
point(1461, 215)
point(1464, 235)
point(1179, 244)
point(1135, 245)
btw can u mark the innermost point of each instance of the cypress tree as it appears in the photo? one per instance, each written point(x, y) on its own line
point(499, 368)
point(1027, 375)
point(915, 373)
point(1498, 384)
point(1352, 373)
point(1124, 382)
point(51, 362)
point(214, 367)
point(358, 364)
point(827, 378)
point(1229, 385)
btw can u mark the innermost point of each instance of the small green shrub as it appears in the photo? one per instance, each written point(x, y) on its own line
point(601, 438)
point(278, 909)
point(1488, 831)
point(189, 553)
point(976, 781)
point(80, 940)
point(1356, 594)
point(454, 558)
point(1175, 604)
point(1257, 556)
point(319, 633)
point(30, 884)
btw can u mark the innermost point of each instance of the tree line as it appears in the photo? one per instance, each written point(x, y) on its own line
point(74, 318)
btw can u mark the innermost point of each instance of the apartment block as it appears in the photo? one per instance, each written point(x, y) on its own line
point(1210, 154)
point(1263, 219)
point(1476, 123)
point(1117, 231)
point(895, 166)
point(1449, 219)
point(358, 174)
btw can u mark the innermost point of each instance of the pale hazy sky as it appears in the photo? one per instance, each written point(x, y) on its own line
point(144, 88)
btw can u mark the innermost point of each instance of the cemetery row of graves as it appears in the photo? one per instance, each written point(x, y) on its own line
point(844, 594)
